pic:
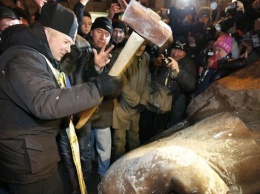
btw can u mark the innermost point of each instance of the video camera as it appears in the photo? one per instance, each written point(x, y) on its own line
point(231, 13)
point(231, 9)
point(225, 24)
point(206, 53)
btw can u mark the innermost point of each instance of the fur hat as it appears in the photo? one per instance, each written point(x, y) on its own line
point(103, 23)
point(54, 15)
point(224, 42)
point(119, 24)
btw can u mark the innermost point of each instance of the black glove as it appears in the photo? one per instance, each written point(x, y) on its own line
point(140, 108)
point(108, 86)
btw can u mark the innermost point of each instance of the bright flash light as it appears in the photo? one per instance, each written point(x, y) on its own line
point(213, 5)
point(181, 3)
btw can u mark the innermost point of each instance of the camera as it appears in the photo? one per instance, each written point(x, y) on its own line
point(235, 8)
point(165, 61)
point(172, 73)
point(231, 9)
point(207, 53)
point(234, 14)
point(225, 24)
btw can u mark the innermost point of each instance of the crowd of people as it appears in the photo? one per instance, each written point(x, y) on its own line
point(55, 66)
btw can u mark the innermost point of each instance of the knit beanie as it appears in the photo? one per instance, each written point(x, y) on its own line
point(224, 42)
point(7, 12)
point(103, 23)
point(180, 43)
point(57, 17)
point(119, 24)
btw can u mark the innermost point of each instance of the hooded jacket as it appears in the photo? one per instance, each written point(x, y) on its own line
point(33, 105)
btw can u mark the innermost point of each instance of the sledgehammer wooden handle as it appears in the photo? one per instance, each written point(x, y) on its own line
point(132, 44)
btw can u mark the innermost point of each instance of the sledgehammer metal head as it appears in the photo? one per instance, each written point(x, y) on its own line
point(147, 23)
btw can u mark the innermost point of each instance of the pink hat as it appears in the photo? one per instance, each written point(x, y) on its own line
point(224, 42)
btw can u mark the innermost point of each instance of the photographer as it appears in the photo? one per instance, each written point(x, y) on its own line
point(247, 49)
point(179, 76)
point(222, 54)
point(227, 26)
point(253, 15)
point(186, 16)
point(234, 23)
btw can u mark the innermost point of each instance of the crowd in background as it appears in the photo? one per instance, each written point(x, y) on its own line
point(203, 50)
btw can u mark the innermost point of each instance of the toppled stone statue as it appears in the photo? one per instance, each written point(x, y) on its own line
point(216, 150)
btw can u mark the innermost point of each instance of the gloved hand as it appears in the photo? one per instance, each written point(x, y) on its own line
point(108, 86)
point(140, 108)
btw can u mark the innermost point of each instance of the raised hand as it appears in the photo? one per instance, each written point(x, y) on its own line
point(40, 3)
point(173, 65)
point(103, 57)
point(114, 8)
point(123, 4)
point(84, 2)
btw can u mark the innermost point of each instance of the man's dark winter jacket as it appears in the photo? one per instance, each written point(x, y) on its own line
point(185, 82)
point(32, 106)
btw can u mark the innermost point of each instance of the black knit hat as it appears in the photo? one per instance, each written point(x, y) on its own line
point(103, 23)
point(59, 18)
point(180, 43)
point(7, 12)
point(119, 24)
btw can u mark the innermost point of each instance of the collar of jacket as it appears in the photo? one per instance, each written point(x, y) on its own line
point(120, 44)
point(32, 36)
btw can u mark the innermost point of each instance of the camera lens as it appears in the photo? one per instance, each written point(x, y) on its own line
point(165, 61)
point(218, 27)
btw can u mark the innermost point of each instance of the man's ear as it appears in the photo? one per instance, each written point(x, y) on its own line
point(47, 31)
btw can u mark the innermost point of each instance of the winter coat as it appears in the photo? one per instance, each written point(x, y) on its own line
point(116, 51)
point(136, 81)
point(185, 81)
point(224, 67)
point(80, 68)
point(33, 105)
